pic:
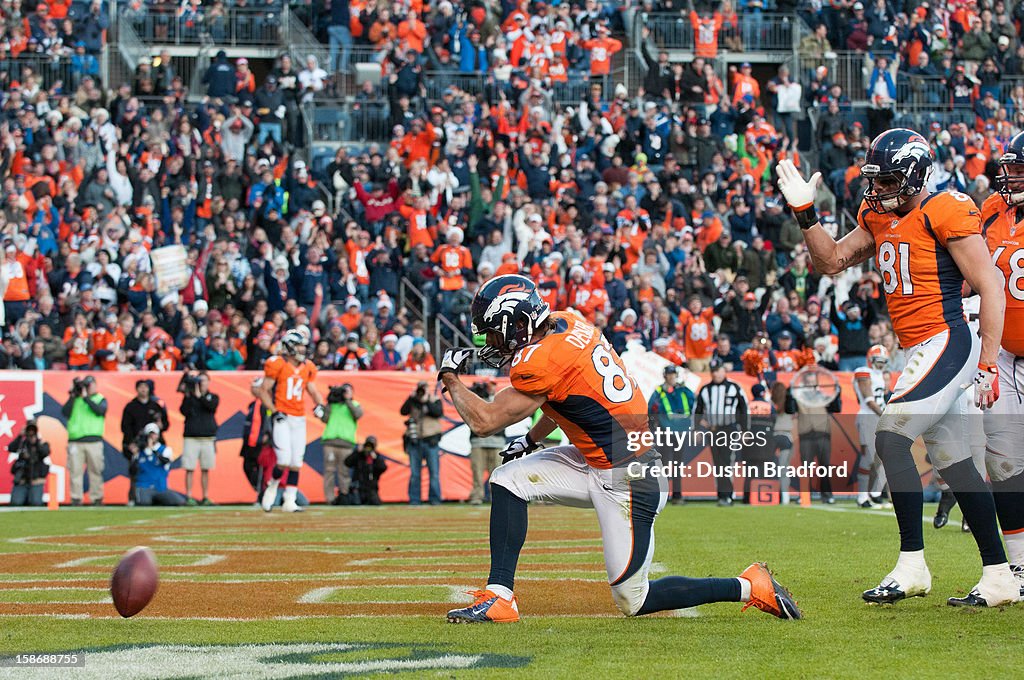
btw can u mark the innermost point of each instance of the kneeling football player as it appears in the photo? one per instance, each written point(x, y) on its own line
point(561, 364)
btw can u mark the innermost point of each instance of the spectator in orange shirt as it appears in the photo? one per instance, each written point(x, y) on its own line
point(705, 33)
point(108, 343)
point(743, 84)
point(698, 333)
point(452, 262)
point(412, 32)
point(419, 359)
point(78, 343)
point(601, 50)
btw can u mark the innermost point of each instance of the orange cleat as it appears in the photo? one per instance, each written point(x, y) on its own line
point(486, 608)
point(769, 595)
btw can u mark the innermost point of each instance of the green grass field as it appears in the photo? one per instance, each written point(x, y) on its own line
point(344, 591)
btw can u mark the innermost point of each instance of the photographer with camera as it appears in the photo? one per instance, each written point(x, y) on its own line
point(152, 463)
point(31, 466)
point(339, 441)
point(199, 406)
point(484, 452)
point(85, 411)
point(421, 439)
point(144, 409)
point(367, 467)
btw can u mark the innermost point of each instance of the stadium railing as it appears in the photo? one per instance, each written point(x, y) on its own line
point(757, 31)
point(47, 68)
point(235, 27)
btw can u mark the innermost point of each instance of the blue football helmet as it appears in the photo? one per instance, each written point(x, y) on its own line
point(896, 168)
point(1011, 186)
point(507, 309)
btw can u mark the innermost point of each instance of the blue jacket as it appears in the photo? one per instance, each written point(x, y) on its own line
point(467, 53)
point(153, 467)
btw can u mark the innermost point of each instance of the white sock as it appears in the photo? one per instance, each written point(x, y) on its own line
point(1015, 547)
point(501, 591)
point(290, 492)
point(995, 572)
point(913, 559)
point(744, 589)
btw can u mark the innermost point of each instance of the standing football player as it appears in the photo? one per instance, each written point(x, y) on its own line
point(287, 377)
point(925, 246)
point(562, 365)
point(869, 386)
point(1002, 215)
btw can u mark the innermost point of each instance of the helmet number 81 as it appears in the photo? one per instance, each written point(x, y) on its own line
point(890, 259)
point(616, 386)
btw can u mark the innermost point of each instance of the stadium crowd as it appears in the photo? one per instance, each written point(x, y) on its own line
point(652, 212)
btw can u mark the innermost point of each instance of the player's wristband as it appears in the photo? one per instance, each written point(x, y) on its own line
point(988, 368)
point(806, 216)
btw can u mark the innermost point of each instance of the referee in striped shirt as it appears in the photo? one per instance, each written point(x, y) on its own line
point(721, 407)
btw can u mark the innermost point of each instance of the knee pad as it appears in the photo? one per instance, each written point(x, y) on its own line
point(894, 451)
point(629, 595)
point(1002, 468)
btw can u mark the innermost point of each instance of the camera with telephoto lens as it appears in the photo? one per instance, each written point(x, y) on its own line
point(189, 379)
point(79, 386)
point(339, 393)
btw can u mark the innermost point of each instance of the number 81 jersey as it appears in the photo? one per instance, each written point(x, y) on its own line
point(1004, 232)
point(590, 396)
point(922, 282)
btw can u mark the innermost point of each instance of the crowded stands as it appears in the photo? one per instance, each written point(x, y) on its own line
point(492, 138)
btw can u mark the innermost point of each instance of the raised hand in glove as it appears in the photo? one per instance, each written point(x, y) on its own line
point(518, 448)
point(454, 360)
point(799, 192)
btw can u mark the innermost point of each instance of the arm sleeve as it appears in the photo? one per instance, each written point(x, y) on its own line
point(952, 218)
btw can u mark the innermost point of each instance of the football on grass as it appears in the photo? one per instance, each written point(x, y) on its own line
point(134, 581)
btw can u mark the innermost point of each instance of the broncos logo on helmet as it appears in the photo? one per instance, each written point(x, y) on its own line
point(896, 168)
point(296, 342)
point(507, 309)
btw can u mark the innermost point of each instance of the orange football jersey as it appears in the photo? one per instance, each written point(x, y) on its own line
point(698, 332)
point(922, 282)
point(289, 383)
point(595, 403)
point(1004, 232)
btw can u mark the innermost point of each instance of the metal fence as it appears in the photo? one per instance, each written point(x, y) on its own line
point(50, 70)
point(235, 26)
point(753, 32)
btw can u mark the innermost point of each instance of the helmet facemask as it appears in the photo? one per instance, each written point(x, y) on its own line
point(890, 199)
point(1009, 182)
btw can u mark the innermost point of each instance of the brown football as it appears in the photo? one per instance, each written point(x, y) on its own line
point(134, 581)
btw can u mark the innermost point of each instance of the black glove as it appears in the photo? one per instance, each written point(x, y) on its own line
point(278, 417)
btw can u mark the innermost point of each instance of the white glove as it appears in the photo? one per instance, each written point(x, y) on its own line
point(799, 192)
point(986, 386)
point(280, 111)
point(518, 448)
point(320, 412)
point(454, 360)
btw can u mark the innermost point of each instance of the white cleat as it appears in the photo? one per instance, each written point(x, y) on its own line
point(1018, 573)
point(270, 495)
point(900, 584)
point(994, 590)
point(291, 506)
